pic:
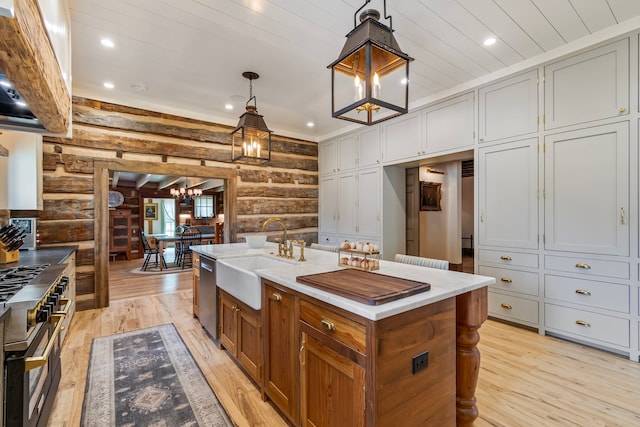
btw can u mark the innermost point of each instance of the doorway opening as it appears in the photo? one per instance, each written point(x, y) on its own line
point(440, 210)
point(102, 171)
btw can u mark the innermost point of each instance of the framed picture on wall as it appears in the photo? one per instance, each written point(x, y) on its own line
point(151, 211)
point(430, 194)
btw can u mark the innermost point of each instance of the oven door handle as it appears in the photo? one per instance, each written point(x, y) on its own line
point(38, 361)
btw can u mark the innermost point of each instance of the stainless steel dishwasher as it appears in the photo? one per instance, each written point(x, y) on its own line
point(208, 296)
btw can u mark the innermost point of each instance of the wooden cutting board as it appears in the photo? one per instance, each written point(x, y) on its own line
point(364, 286)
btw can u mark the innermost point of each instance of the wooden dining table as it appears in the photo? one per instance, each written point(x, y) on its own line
point(162, 240)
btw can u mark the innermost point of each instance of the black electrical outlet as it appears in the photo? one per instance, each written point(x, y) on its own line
point(420, 362)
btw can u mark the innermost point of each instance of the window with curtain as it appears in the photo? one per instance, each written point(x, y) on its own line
point(203, 207)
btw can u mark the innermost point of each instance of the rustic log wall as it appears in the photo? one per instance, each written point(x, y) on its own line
point(286, 187)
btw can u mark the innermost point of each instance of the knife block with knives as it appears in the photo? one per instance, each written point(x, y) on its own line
point(11, 238)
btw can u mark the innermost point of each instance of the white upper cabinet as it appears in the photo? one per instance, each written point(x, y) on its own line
point(347, 204)
point(508, 195)
point(403, 137)
point(327, 208)
point(508, 108)
point(23, 170)
point(327, 157)
point(449, 125)
point(587, 190)
point(347, 152)
point(590, 86)
point(369, 147)
point(369, 197)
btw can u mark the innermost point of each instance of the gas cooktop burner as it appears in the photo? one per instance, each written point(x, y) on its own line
point(15, 278)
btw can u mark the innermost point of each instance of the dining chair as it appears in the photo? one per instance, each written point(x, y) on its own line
point(150, 251)
point(421, 261)
point(190, 237)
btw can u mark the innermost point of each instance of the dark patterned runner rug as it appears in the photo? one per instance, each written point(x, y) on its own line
point(148, 378)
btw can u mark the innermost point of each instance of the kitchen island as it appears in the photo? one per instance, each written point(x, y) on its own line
point(330, 360)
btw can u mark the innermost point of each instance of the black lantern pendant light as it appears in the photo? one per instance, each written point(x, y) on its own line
point(251, 140)
point(370, 79)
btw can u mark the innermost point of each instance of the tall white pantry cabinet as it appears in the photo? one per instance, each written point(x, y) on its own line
point(556, 198)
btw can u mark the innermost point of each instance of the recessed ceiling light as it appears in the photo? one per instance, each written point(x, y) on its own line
point(107, 42)
point(108, 85)
point(228, 106)
point(404, 81)
point(310, 124)
point(489, 41)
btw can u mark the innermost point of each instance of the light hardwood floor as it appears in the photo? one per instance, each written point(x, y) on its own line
point(525, 379)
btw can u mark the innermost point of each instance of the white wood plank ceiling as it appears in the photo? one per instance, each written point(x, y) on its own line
point(187, 56)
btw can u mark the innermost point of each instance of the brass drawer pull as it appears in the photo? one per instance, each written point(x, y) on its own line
point(506, 257)
point(583, 265)
point(328, 325)
point(582, 292)
point(276, 297)
point(506, 280)
point(583, 323)
point(507, 306)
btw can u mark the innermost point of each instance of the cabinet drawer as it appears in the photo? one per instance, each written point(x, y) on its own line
point(513, 308)
point(608, 296)
point(588, 266)
point(348, 332)
point(522, 282)
point(599, 327)
point(519, 259)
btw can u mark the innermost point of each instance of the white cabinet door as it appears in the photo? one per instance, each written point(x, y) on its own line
point(587, 190)
point(403, 137)
point(586, 87)
point(449, 125)
point(369, 147)
point(347, 152)
point(327, 157)
point(508, 195)
point(508, 108)
point(23, 169)
point(327, 209)
point(369, 196)
point(347, 204)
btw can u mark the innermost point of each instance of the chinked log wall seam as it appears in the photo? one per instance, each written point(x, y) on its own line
point(288, 183)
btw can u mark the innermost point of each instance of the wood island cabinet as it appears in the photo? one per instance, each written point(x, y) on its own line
point(196, 284)
point(325, 366)
point(279, 317)
point(240, 334)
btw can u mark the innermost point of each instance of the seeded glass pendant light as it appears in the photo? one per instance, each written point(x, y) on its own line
point(251, 139)
point(370, 79)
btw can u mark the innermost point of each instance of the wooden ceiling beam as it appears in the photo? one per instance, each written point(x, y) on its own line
point(211, 184)
point(116, 178)
point(143, 180)
point(28, 61)
point(168, 182)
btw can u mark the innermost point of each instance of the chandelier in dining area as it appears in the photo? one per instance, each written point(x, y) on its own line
point(183, 193)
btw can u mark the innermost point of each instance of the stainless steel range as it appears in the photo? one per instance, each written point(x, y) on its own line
point(35, 295)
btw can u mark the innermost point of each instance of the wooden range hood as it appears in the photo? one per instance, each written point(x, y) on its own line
point(29, 62)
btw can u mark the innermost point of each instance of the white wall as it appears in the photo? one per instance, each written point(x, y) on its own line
point(441, 231)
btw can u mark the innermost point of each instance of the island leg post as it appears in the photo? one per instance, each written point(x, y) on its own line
point(471, 312)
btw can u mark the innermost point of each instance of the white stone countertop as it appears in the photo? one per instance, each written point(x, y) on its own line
point(444, 283)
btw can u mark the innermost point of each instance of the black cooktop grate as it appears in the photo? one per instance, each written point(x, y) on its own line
point(15, 278)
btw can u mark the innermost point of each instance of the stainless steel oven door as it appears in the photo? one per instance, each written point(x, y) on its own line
point(38, 366)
